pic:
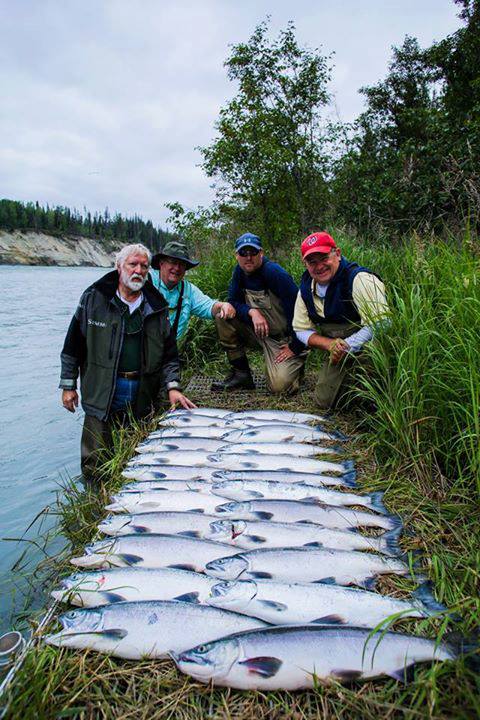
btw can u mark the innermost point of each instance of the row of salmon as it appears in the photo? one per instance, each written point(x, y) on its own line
point(237, 552)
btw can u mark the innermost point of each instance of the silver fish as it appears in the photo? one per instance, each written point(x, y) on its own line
point(166, 500)
point(294, 658)
point(152, 628)
point(208, 431)
point(154, 551)
point(240, 461)
point(142, 472)
point(274, 415)
point(339, 567)
point(297, 450)
point(282, 433)
point(199, 411)
point(188, 524)
point(102, 587)
point(187, 420)
point(255, 534)
point(293, 511)
point(266, 489)
point(177, 485)
point(288, 604)
point(160, 445)
point(347, 479)
point(189, 458)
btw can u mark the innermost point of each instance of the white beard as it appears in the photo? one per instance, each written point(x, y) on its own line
point(134, 282)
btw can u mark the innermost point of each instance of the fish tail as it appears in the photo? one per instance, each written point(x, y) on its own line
point(348, 467)
point(349, 478)
point(337, 435)
point(425, 600)
point(468, 648)
point(388, 542)
point(377, 502)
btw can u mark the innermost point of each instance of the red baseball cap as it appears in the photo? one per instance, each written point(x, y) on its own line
point(320, 242)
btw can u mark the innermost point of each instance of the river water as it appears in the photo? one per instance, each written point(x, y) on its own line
point(39, 440)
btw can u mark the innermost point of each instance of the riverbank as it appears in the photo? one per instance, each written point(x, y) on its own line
point(420, 445)
point(32, 248)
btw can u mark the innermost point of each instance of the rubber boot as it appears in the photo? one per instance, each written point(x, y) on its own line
point(239, 378)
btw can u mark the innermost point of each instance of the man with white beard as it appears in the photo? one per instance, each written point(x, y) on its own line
point(121, 343)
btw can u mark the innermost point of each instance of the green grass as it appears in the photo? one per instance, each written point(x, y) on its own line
point(421, 445)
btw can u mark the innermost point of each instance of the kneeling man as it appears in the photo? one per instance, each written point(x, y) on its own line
point(337, 308)
point(263, 295)
point(183, 297)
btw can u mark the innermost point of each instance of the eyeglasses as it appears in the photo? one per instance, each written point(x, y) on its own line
point(248, 252)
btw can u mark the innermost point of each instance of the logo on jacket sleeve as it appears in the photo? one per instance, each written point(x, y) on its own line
point(96, 323)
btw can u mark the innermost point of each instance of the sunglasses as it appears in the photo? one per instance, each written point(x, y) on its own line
point(248, 252)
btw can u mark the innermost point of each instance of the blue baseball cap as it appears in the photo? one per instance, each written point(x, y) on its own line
point(248, 240)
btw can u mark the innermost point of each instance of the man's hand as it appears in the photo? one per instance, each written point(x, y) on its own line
point(70, 400)
point(260, 325)
point(338, 349)
point(178, 398)
point(284, 354)
point(224, 311)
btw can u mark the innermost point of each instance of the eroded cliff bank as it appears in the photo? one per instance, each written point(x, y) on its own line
point(31, 248)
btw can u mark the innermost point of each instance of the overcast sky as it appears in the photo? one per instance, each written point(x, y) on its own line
point(104, 101)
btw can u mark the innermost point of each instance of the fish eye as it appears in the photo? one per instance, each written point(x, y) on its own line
point(202, 649)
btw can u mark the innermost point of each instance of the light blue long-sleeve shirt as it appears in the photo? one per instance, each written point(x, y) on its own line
point(195, 302)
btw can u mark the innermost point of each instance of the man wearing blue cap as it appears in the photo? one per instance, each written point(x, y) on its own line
point(263, 295)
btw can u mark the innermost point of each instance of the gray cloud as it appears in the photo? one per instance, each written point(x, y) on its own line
point(104, 103)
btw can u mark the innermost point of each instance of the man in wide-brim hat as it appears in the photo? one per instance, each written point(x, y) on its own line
point(183, 297)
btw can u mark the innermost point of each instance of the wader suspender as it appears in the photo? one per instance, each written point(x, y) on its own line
point(179, 309)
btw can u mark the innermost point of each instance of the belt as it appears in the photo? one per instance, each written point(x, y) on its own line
point(134, 375)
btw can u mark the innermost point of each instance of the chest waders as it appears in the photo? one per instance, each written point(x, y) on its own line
point(332, 380)
point(236, 336)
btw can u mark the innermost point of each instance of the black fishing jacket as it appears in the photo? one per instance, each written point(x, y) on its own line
point(94, 341)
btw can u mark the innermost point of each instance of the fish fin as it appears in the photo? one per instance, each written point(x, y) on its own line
point(263, 515)
point(388, 542)
point(349, 478)
point(258, 539)
point(129, 559)
point(182, 566)
point(347, 675)
point(330, 580)
point(200, 511)
point(423, 596)
point(255, 494)
point(329, 620)
point(111, 597)
point(315, 544)
point(369, 583)
point(264, 666)
point(190, 533)
point(149, 505)
point(314, 500)
point(139, 529)
point(302, 522)
point(273, 605)
point(251, 465)
point(191, 597)
point(377, 503)
point(259, 575)
point(336, 450)
point(403, 674)
point(116, 633)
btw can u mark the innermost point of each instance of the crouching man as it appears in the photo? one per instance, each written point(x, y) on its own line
point(183, 297)
point(121, 343)
point(337, 308)
point(263, 295)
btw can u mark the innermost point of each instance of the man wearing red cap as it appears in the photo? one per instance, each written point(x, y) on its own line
point(338, 305)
